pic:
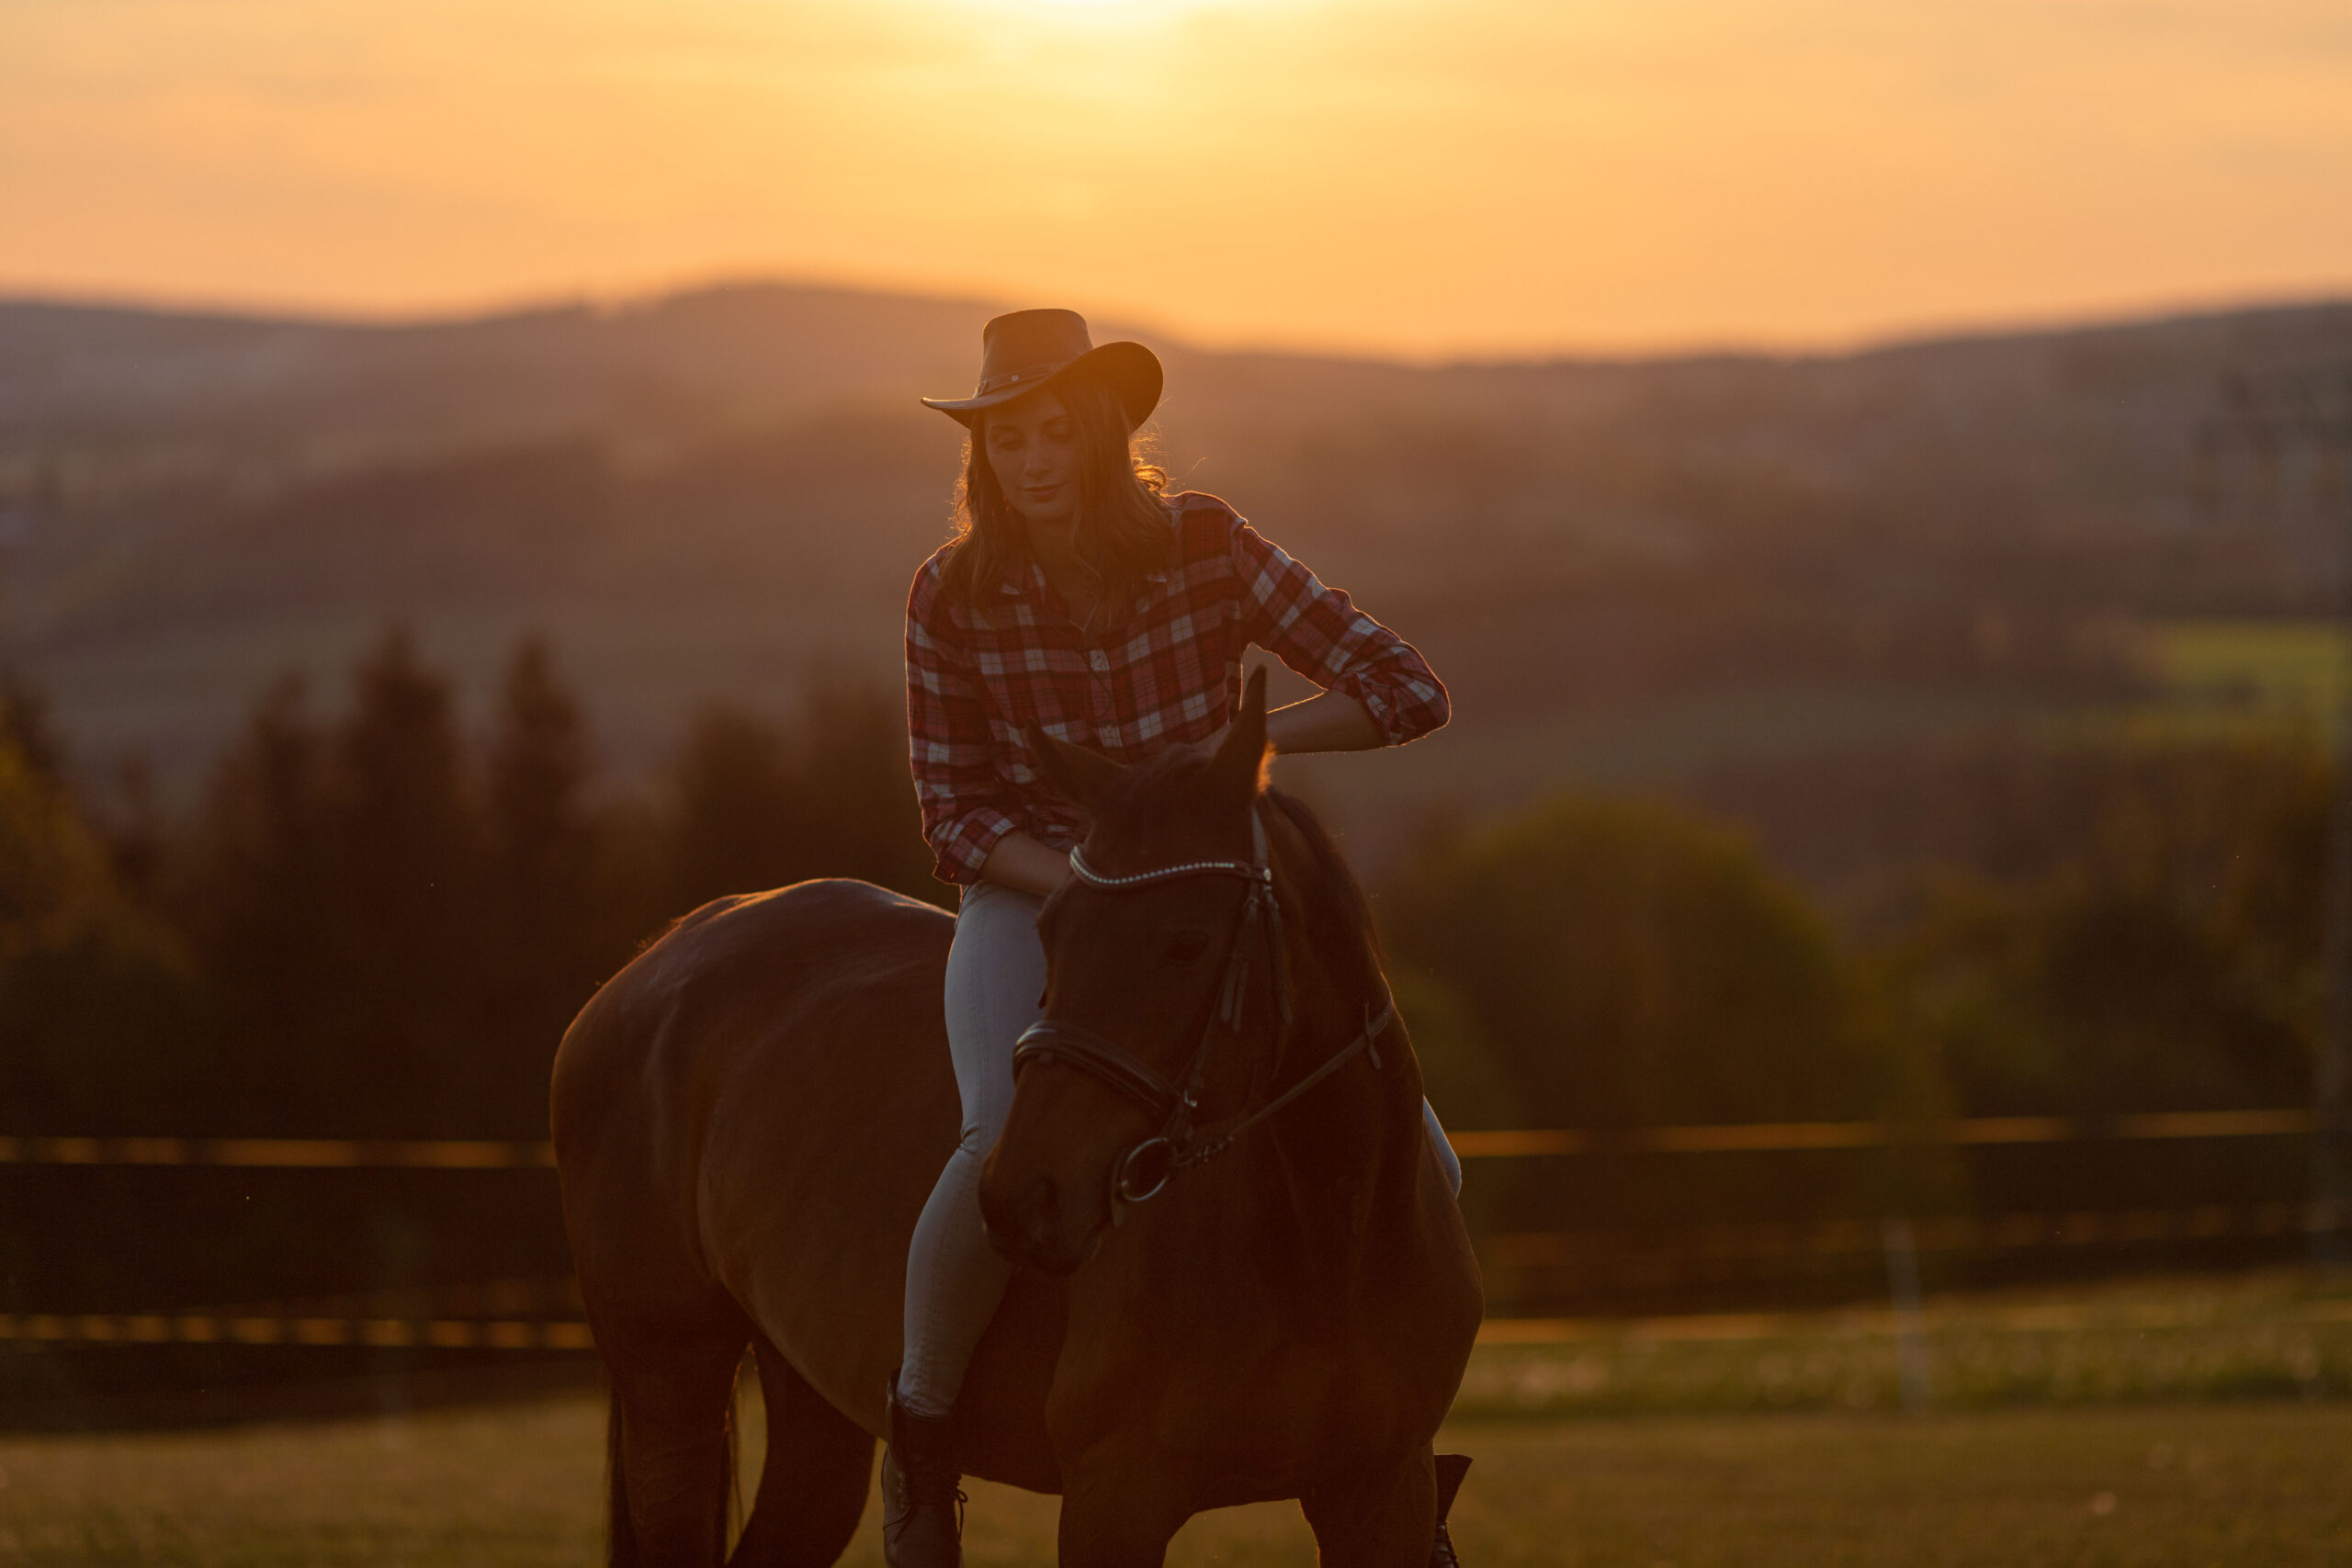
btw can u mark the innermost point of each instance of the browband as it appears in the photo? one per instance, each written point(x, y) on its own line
point(1259, 870)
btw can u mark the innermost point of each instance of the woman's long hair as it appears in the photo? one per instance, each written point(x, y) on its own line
point(1122, 528)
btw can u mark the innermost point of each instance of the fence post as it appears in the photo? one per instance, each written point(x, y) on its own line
point(1910, 1318)
point(395, 1278)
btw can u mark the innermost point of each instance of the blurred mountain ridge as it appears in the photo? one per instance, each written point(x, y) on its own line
point(704, 494)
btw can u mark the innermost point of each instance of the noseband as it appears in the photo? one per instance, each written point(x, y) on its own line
point(1145, 1168)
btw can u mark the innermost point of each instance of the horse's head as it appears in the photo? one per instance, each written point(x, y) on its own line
point(1136, 977)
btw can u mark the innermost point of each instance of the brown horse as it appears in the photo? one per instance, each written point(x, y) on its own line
point(749, 1117)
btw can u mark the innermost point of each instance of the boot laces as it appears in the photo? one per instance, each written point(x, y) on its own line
point(930, 1481)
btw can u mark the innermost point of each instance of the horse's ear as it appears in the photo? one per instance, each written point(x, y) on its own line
point(1242, 758)
point(1078, 772)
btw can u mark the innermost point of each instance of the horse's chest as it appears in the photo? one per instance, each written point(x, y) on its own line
point(1268, 1418)
point(1269, 1378)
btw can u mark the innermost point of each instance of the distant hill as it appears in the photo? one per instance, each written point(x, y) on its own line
point(700, 495)
point(321, 393)
point(99, 403)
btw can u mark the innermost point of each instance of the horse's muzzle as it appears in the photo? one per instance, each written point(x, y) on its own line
point(1032, 1229)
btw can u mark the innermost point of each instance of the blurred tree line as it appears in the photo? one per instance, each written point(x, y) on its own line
point(1596, 963)
point(378, 923)
point(1614, 963)
point(378, 920)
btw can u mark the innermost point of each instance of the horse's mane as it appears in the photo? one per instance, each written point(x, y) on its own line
point(1328, 872)
point(1325, 882)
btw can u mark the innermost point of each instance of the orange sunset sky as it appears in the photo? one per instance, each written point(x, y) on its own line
point(1415, 176)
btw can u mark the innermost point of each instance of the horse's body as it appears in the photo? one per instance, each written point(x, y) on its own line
point(748, 1120)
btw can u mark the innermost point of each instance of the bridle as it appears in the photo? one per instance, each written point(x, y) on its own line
point(1146, 1168)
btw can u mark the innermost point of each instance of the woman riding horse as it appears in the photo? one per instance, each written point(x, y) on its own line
point(1079, 602)
point(751, 1117)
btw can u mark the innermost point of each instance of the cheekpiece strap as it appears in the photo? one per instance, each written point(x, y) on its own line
point(1365, 1044)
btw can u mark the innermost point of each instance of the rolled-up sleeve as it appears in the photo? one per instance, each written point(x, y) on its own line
point(963, 798)
point(1318, 631)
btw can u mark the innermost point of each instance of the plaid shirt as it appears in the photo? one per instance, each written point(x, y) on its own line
point(982, 678)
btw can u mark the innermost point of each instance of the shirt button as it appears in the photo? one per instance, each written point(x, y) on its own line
point(1107, 733)
point(1100, 659)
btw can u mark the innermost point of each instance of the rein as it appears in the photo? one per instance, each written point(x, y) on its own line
point(1147, 1167)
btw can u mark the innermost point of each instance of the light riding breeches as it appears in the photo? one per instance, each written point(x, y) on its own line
point(995, 972)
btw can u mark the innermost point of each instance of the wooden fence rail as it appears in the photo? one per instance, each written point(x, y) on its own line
point(319, 1324)
point(355, 1154)
point(1743, 1137)
point(331, 1324)
point(284, 1154)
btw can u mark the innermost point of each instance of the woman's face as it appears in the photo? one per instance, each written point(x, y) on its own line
point(1033, 446)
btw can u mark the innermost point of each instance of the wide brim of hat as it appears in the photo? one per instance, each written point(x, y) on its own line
point(1131, 370)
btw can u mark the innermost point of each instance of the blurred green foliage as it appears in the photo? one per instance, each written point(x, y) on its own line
point(379, 924)
point(89, 983)
point(1627, 963)
point(1604, 963)
point(1631, 963)
point(2171, 963)
point(1635, 965)
point(380, 921)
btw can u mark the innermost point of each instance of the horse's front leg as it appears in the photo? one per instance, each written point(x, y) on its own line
point(1121, 1507)
point(1384, 1519)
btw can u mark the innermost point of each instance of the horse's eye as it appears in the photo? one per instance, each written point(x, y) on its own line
point(1188, 946)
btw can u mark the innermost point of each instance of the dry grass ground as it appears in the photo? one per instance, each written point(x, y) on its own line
point(516, 1487)
point(2273, 1334)
point(2155, 1422)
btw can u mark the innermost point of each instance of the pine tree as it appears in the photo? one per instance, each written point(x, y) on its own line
point(264, 909)
point(861, 799)
point(741, 814)
point(757, 805)
point(408, 852)
point(554, 932)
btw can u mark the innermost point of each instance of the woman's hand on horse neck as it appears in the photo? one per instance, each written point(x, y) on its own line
point(1330, 722)
point(1021, 863)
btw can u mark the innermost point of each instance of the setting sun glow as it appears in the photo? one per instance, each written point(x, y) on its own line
point(1417, 175)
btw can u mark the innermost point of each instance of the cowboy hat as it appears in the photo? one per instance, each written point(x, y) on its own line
point(1027, 349)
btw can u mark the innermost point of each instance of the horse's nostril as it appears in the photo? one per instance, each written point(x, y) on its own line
point(1044, 1200)
point(1021, 1225)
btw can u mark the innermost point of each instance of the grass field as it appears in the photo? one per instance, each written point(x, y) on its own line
point(2171, 1420)
point(2249, 675)
point(2268, 1334)
point(2190, 1421)
point(516, 1487)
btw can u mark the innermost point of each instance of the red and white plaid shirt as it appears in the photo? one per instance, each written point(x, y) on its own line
point(982, 678)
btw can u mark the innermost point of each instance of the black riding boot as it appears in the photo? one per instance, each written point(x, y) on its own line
point(922, 1512)
point(1450, 1468)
